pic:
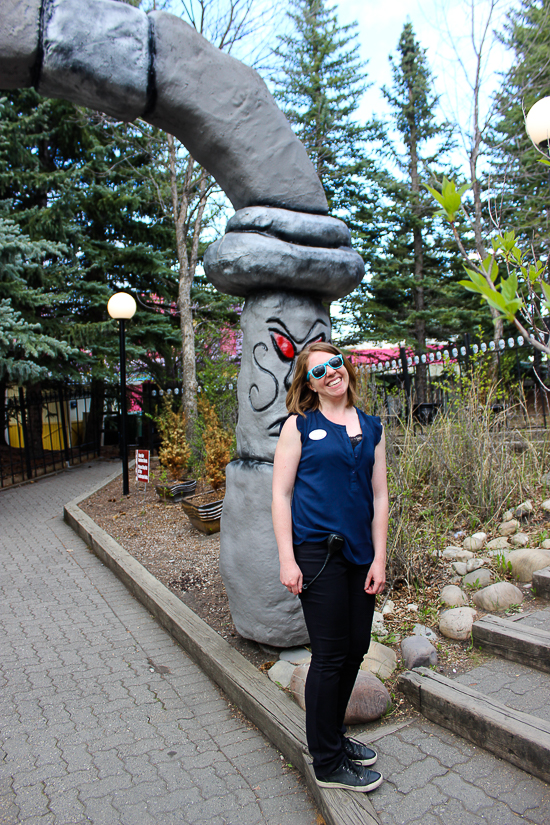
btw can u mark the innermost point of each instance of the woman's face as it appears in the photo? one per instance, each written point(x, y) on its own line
point(334, 383)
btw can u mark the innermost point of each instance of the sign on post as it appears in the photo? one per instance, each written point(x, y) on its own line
point(142, 465)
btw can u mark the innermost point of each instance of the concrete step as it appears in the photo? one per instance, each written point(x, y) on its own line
point(519, 738)
point(511, 639)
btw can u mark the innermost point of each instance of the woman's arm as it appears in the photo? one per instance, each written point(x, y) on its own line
point(376, 577)
point(285, 465)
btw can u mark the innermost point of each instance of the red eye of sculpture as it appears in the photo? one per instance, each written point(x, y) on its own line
point(283, 346)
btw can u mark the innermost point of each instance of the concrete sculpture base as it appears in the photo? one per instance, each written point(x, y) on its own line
point(261, 607)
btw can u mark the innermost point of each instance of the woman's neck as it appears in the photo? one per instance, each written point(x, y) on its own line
point(336, 410)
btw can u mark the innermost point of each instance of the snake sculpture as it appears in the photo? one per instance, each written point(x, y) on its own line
point(281, 251)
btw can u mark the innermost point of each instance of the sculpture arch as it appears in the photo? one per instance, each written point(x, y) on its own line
point(281, 250)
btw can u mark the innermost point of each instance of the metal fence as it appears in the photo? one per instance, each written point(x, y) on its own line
point(45, 430)
point(406, 383)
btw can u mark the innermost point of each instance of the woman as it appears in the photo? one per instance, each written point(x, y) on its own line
point(330, 515)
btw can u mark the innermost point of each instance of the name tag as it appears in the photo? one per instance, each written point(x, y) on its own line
point(317, 435)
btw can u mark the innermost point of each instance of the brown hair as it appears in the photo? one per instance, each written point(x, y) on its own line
point(300, 396)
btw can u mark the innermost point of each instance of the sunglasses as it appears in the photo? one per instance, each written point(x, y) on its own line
point(318, 371)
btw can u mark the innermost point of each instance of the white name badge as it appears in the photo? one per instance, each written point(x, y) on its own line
point(317, 435)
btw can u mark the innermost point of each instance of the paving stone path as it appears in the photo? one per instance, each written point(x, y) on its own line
point(103, 718)
point(436, 778)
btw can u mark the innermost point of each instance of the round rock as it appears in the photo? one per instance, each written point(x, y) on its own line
point(475, 542)
point(281, 673)
point(296, 655)
point(369, 698)
point(500, 543)
point(457, 623)
point(519, 540)
point(508, 528)
point(525, 561)
point(417, 651)
point(546, 504)
point(460, 567)
point(422, 630)
point(453, 596)
point(478, 578)
point(380, 660)
point(497, 596)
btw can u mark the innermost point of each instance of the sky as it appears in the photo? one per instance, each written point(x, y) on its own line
point(380, 25)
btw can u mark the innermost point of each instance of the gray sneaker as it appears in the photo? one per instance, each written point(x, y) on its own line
point(351, 777)
point(358, 752)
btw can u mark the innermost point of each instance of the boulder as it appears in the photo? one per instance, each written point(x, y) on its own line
point(478, 578)
point(457, 622)
point(524, 510)
point(500, 543)
point(417, 651)
point(281, 673)
point(546, 504)
point(453, 596)
point(380, 660)
point(460, 567)
point(388, 608)
point(508, 515)
point(545, 544)
point(369, 699)
point(296, 655)
point(508, 528)
point(497, 596)
point(475, 542)
point(525, 561)
point(519, 540)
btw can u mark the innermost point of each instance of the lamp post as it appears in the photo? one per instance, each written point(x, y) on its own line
point(122, 307)
point(537, 123)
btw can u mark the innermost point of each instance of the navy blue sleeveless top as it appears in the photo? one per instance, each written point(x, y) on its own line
point(333, 487)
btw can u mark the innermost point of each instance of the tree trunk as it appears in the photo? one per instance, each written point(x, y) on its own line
point(187, 262)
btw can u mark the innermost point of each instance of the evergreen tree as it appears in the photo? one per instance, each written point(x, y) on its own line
point(521, 183)
point(411, 292)
point(319, 83)
point(70, 181)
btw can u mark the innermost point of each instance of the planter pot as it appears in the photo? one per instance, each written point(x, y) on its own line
point(204, 511)
point(176, 491)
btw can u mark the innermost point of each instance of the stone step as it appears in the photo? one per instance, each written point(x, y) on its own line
point(513, 640)
point(541, 582)
point(519, 738)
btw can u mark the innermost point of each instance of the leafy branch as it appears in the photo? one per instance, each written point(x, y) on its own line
point(522, 295)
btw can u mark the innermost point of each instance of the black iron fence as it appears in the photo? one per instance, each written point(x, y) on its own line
point(46, 429)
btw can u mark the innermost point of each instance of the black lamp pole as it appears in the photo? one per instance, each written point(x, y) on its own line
point(122, 307)
point(123, 410)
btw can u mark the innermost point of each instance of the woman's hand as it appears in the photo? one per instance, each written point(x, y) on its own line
point(291, 577)
point(376, 577)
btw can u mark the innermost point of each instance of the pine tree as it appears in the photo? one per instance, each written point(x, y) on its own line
point(70, 181)
point(411, 292)
point(520, 181)
point(319, 83)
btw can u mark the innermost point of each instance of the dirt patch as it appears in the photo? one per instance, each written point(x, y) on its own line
point(160, 536)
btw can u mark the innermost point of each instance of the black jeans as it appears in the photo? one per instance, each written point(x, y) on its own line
point(338, 615)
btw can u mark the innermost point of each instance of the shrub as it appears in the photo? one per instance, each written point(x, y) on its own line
point(217, 444)
point(175, 452)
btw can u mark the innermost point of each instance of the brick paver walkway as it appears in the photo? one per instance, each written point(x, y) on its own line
point(103, 718)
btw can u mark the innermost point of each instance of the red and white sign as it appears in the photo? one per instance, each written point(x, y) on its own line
point(142, 465)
